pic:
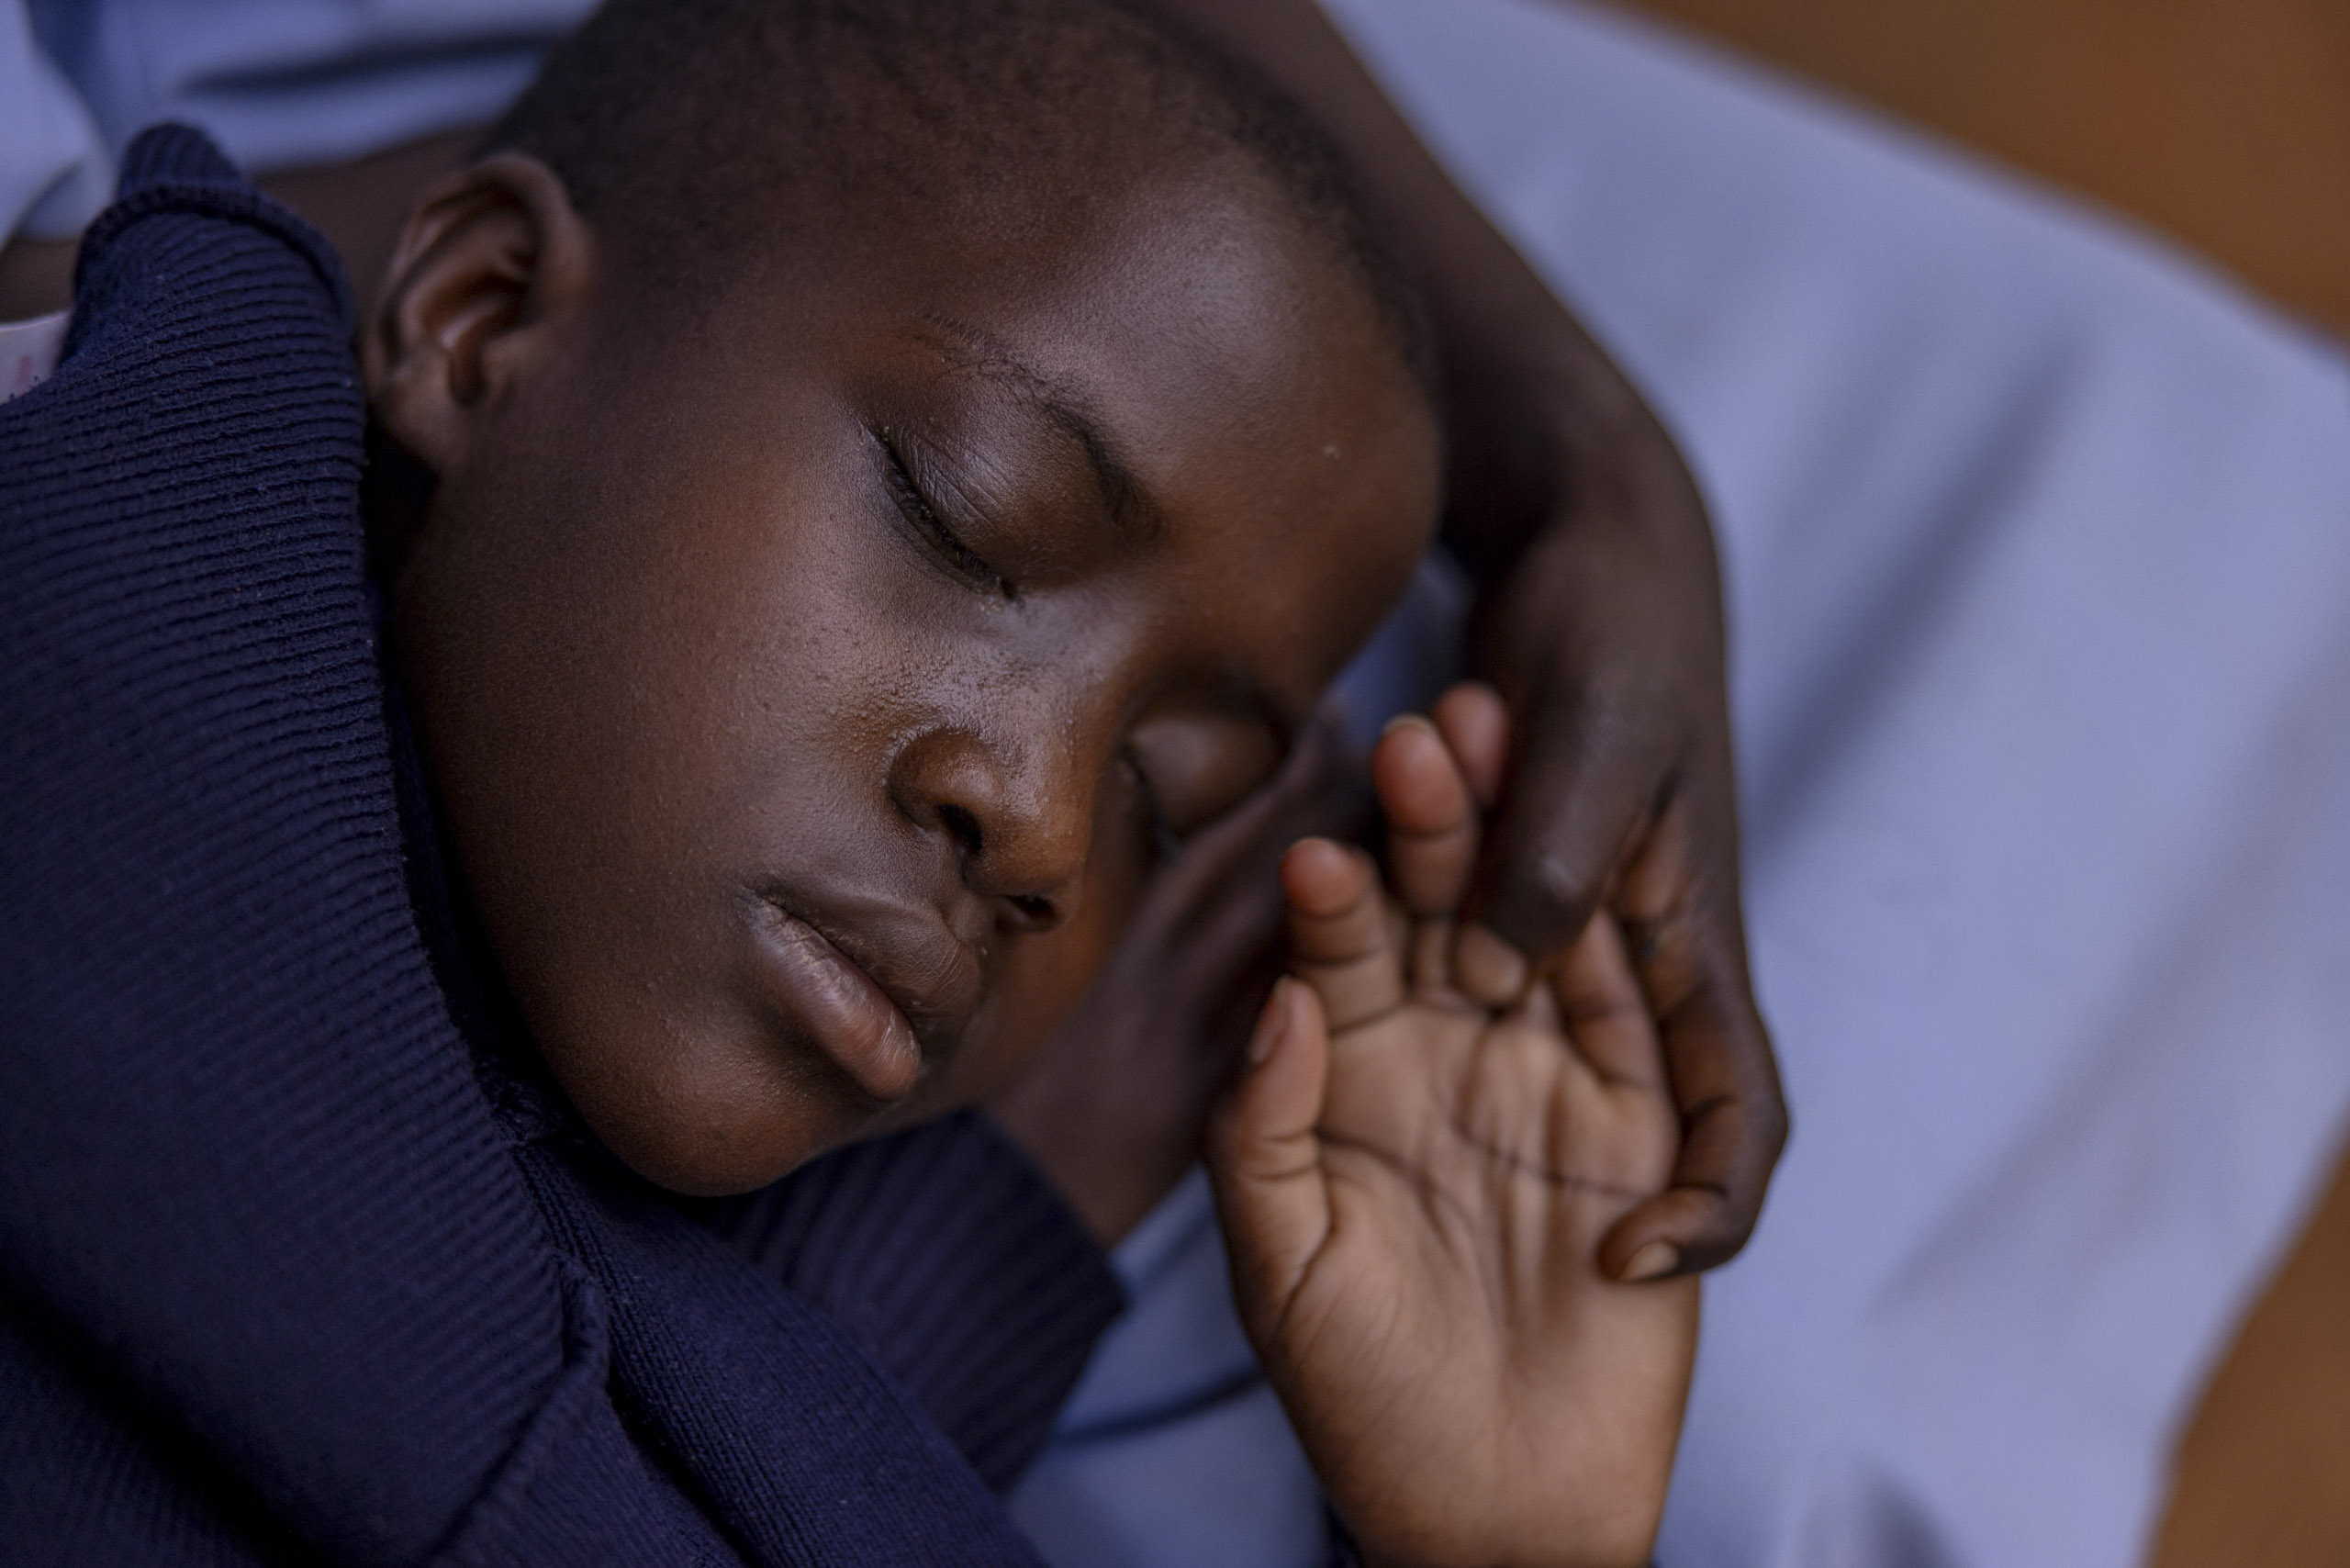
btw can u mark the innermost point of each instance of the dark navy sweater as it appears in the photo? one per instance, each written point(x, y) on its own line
point(291, 1266)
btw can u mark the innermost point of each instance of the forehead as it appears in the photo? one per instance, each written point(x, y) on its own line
point(1229, 382)
point(1279, 449)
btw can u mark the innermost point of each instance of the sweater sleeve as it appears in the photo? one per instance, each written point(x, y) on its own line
point(271, 1285)
point(958, 1268)
point(240, 1157)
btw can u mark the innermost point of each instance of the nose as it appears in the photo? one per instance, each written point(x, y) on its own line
point(1011, 810)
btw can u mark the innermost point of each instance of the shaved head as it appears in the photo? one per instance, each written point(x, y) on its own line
point(691, 133)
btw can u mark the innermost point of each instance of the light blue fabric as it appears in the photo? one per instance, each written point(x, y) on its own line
point(278, 83)
point(2039, 586)
point(1173, 1452)
point(54, 172)
point(2040, 593)
point(283, 83)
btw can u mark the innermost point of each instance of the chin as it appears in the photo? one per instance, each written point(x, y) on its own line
point(722, 1145)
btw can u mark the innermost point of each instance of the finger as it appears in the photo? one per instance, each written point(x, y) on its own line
point(1113, 1100)
point(1689, 950)
point(1211, 904)
point(1733, 1130)
point(1206, 939)
point(1605, 1012)
point(1474, 721)
point(1342, 942)
point(1487, 970)
point(1265, 1158)
point(1432, 828)
point(1475, 724)
point(1573, 800)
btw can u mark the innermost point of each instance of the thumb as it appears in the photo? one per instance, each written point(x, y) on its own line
point(1569, 814)
point(1265, 1157)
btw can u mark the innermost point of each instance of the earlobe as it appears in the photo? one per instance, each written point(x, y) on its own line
point(490, 262)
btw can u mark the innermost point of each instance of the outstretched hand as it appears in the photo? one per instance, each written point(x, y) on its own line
point(1414, 1185)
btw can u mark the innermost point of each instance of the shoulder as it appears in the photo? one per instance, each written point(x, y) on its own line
point(239, 1142)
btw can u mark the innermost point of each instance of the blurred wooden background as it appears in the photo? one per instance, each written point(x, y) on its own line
point(2224, 122)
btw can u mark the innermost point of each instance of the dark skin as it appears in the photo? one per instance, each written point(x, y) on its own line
point(793, 667)
point(785, 664)
point(1414, 1182)
point(1601, 625)
point(1181, 961)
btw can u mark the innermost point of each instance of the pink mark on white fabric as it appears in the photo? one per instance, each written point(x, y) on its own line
point(28, 352)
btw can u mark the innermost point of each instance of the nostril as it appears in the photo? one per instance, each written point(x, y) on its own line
point(964, 828)
point(1037, 912)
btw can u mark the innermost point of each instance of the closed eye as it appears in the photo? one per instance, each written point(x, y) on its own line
point(917, 509)
point(1164, 839)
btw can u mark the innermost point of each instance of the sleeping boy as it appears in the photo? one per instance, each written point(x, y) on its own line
point(842, 480)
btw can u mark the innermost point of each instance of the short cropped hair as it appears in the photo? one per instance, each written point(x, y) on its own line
point(690, 130)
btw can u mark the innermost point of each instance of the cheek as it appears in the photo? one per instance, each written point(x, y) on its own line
point(628, 712)
point(645, 703)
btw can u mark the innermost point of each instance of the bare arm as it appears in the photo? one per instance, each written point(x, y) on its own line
point(1600, 616)
point(1600, 621)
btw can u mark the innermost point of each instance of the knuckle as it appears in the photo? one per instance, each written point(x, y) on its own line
point(1556, 876)
point(1538, 895)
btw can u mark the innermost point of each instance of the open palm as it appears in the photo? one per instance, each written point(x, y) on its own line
point(1415, 1174)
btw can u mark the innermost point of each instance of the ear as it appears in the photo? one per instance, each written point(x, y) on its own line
point(492, 265)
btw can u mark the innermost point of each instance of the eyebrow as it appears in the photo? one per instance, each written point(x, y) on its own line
point(1124, 497)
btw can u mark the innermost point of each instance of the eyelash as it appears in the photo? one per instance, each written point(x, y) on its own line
point(918, 510)
point(1163, 837)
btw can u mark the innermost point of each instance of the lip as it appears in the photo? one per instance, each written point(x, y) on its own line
point(852, 997)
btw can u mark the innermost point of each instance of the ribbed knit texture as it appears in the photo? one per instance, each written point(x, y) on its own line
point(932, 1248)
point(941, 1249)
point(273, 1280)
point(944, 1253)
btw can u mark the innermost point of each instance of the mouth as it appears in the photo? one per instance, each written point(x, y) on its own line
point(854, 997)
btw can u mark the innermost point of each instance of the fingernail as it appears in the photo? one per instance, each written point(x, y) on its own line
point(1654, 1261)
point(1402, 721)
point(1271, 1027)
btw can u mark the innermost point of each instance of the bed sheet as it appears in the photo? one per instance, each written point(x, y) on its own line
point(2040, 596)
point(2039, 589)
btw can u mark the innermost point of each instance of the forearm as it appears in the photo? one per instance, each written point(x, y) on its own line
point(1599, 617)
point(1533, 405)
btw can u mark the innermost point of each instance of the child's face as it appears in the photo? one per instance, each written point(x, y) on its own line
point(784, 671)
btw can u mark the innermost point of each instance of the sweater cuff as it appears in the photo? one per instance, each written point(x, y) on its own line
point(956, 1267)
point(172, 169)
